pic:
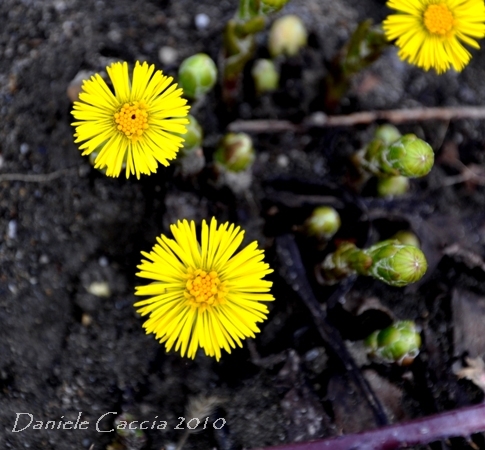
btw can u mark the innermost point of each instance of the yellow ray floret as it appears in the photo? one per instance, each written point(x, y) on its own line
point(137, 126)
point(203, 294)
point(431, 33)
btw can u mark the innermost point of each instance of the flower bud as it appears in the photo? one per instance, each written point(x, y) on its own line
point(410, 156)
point(387, 133)
point(287, 36)
point(398, 343)
point(194, 135)
point(392, 186)
point(197, 75)
point(345, 261)
point(396, 264)
point(271, 6)
point(235, 152)
point(266, 77)
point(407, 237)
point(323, 223)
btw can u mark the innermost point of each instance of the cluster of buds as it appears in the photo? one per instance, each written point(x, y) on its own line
point(394, 159)
point(389, 261)
point(240, 41)
point(398, 343)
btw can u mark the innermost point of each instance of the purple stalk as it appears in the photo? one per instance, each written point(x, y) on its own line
point(460, 422)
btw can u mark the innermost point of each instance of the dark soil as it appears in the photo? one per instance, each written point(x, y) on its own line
point(64, 351)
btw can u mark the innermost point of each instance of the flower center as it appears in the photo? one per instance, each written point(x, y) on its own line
point(132, 119)
point(204, 289)
point(438, 19)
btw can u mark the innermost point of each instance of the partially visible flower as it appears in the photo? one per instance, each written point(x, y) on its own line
point(204, 294)
point(431, 33)
point(134, 126)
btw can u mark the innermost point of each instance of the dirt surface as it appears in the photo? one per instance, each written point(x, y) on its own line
point(65, 351)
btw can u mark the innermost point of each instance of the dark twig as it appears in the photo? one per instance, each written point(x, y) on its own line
point(321, 120)
point(294, 272)
point(461, 422)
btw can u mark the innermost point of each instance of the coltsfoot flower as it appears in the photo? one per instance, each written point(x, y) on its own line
point(431, 33)
point(204, 294)
point(135, 127)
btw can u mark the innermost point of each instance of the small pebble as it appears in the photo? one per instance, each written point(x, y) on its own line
point(103, 261)
point(44, 259)
point(167, 55)
point(115, 36)
point(12, 229)
point(202, 21)
point(86, 320)
point(99, 289)
point(24, 148)
point(283, 161)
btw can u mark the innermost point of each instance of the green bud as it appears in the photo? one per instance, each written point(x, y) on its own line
point(387, 133)
point(410, 156)
point(396, 264)
point(287, 36)
point(194, 135)
point(235, 152)
point(398, 343)
point(345, 261)
point(271, 6)
point(392, 186)
point(266, 77)
point(197, 75)
point(407, 238)
point(323, 223)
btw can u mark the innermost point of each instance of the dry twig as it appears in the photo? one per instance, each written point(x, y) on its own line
point(37, 178)
point(294, 272)
point(321, 120)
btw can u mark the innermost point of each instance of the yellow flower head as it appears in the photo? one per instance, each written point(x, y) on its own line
point(136, 125)
point(431, 33)
point(204, 295)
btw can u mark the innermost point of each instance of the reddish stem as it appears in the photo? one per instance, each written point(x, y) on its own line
point(460, 422)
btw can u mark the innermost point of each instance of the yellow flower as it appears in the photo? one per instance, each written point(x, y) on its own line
point(204, 295)
point(134, 126)
point(431, 33)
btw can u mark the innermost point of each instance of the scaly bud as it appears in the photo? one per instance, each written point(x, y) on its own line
point(387, 133)
point(398, 343)
point(266, 77)
point(392, 186)
point(345, 261)
point(410, 156)
point(396, 264)
point(197, 75)
point(271, 6)
point(407, 237)
point(323, 223)
point(388, 261)
point(407, 156)
point(194, 135)
point(235, 152)
point(287, 36)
